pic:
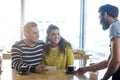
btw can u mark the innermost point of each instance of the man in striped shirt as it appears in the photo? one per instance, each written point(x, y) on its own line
point(28, 52)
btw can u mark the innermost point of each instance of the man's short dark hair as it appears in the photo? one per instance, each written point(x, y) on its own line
point(111, 10)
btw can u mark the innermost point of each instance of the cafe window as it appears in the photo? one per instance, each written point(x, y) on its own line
point(66, 14)
point(9, 23)
point(63, 13)
point(97, 40)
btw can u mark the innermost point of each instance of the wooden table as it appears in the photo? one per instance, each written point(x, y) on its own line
point(49, 75)
point(11, 74)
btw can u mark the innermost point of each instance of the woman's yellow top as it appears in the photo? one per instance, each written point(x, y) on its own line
point(60, 60)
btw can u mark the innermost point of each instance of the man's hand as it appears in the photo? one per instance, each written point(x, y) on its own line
point(40, 69)
point(81, 71)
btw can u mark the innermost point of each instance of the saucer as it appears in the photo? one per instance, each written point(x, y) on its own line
point(21, 73)
point(69, 72)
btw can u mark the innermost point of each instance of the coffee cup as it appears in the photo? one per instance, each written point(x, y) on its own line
point(93, 75)
point(23, 69)
point(70, 68)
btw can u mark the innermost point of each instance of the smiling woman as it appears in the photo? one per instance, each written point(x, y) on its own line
point(58, 51)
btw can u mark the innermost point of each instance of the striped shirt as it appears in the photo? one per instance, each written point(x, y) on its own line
point(24, 55)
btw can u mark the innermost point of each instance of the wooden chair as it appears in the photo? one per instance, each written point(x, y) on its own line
point(81, 56)
point(6, 55)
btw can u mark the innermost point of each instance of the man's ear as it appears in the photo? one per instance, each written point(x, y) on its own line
point(105, 15)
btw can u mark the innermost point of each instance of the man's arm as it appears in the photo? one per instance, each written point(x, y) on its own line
point(95, 67)
point(101, 65)
point(17, 61)
point(114, 62)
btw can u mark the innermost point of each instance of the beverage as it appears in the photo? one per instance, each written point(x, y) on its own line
point(24, 70)
point(93, 75)
point(70, 68)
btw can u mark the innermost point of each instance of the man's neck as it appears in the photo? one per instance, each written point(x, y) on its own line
point(29, 43)
point(112, 20)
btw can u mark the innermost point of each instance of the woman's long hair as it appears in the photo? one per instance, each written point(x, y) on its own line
point(62, 43)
